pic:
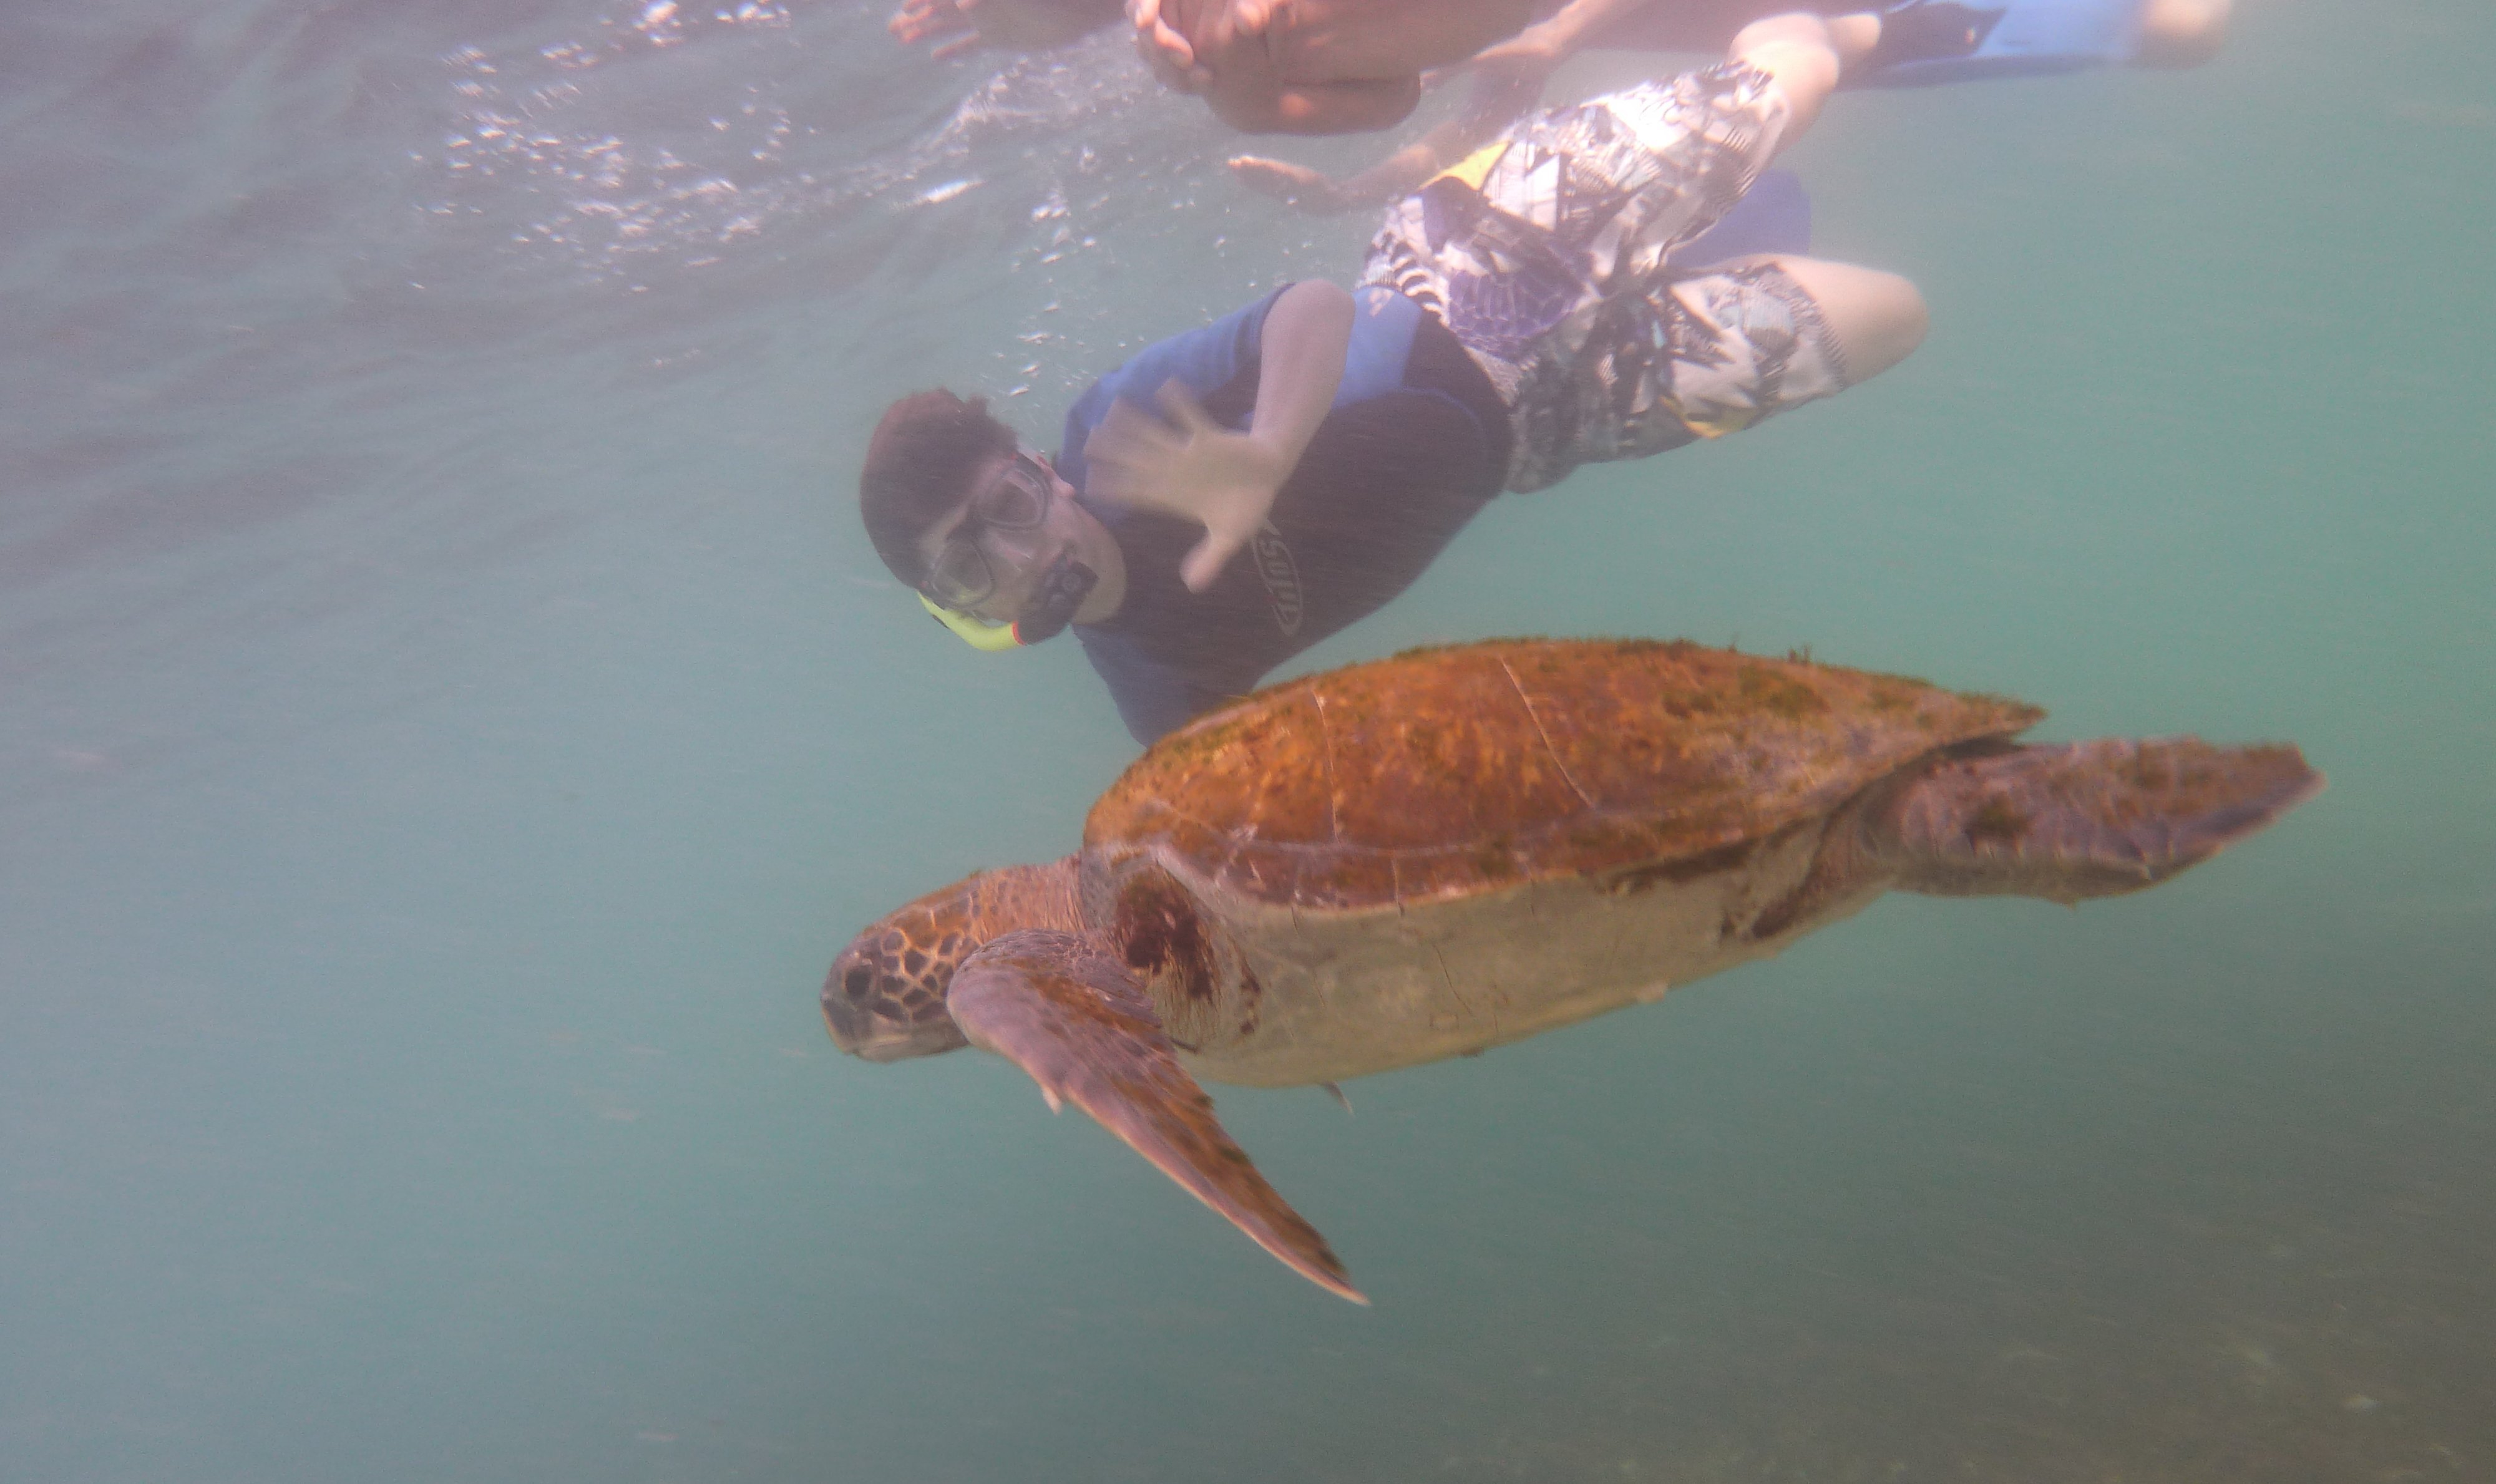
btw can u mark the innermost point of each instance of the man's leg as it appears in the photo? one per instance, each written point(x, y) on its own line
point(1878, 319)
point(2182, 33)
point(1802, 53)
point(1926, 43)
point(1743, 341)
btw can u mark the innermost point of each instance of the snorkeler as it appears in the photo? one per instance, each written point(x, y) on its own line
point(1350, 66)
point(1519, 316)
point(1922, 42)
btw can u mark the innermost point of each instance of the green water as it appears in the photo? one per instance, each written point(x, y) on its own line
point(447, 738)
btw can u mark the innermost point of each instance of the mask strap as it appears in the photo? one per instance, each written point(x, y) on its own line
point(978, 632)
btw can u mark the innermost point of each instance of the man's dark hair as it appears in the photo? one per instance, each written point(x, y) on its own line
point(919, 466)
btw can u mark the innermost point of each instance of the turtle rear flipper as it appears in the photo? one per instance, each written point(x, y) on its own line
point(1069, 1014)
point(2082, 819)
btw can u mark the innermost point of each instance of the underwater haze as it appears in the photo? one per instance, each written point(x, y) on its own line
point(450, 718)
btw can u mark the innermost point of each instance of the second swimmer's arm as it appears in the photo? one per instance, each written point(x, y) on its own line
point(1263, 106)
point(1496, 103)
point(1406, 171)
point(1557, 36)
point(1498, 100)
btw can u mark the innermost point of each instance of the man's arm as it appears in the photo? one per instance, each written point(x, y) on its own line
point(1497, 101)
point(1185, 463)
point(1302, 364)
point(1263, 106)
point(1557, 36)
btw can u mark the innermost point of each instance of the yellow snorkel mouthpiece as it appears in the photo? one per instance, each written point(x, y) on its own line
point(978, 632)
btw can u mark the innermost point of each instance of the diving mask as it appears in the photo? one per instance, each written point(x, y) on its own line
point(1002, 521)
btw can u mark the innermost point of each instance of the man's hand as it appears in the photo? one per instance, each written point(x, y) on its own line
point(1293, 185)
point(1185, 464)
point(1167, 52)
point(947, 22)
point(1531, 54)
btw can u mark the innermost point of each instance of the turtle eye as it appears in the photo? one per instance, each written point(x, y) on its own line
point(858, 982)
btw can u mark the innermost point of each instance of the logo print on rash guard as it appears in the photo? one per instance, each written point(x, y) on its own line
point(1281, 577)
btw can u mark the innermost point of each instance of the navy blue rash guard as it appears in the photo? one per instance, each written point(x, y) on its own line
point(1415, 444)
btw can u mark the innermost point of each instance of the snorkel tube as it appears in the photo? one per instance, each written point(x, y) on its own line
point(978, 632)
point(1062, 591)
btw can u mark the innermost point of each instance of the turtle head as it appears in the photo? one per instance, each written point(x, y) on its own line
point(884, 998)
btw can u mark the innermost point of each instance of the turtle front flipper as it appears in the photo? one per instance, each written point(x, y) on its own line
point(1067, 1012)
point(2082, 819)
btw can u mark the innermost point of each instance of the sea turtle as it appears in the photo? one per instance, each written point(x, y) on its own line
point(1428, 856)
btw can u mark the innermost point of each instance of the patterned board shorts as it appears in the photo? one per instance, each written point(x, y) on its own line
point(1547, 255)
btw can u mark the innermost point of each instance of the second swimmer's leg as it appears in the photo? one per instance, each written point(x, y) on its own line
point(2182, 33)
point(1878, 319)
point(1799, 52)
point(1923, 42)
point(1751, 339)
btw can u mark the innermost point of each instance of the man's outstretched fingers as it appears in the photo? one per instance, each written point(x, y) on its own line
point(1180, 406)
point(1223, 537)
point(1121, 450)
point(1204, 564)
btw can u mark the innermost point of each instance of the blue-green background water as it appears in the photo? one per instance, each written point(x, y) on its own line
point(450, 719)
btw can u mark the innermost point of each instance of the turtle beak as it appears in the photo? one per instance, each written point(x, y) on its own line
point(847, 1016)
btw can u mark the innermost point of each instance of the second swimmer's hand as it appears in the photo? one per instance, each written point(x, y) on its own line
point(948, 23)
point(1532, 53)
point(1293, 185)
point(1185, 464)
point(1169, 55)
